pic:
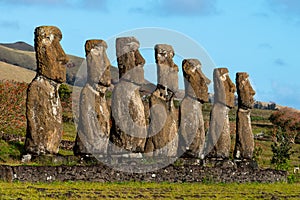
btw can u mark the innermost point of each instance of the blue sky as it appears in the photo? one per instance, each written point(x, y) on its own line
point(259, 37)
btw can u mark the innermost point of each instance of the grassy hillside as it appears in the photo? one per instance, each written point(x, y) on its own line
point(25, 59)
point(18, 54)
point(19, 46)
point(16, 73)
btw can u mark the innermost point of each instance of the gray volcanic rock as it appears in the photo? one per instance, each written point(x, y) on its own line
point(163, 129)
point(167, 70)
point(43, 106)
point(219, 141)
point(44, 117)
point(244, 137)
point(191, 130)
point(50, 56)
point(129, 130)
point(94, 120)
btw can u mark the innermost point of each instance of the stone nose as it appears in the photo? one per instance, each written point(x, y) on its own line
point(252, 91)
point(61, 55)
point(139, 60)
point(207, 80)
point(231, 85)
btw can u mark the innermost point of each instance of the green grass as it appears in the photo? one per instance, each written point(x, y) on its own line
point(10, 152)
point(69, 131)
point(137, 190)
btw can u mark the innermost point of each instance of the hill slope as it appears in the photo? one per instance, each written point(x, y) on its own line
point(22, 55)
point(15, 73)
point(19, 46)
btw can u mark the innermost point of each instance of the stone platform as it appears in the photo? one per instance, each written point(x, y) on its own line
point(183, 170)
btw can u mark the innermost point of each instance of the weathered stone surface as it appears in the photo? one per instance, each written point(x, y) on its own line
point(244, 146)
point(50, 56)
point(163, 129)
point(218, 144)
point(185, 173)
point(129, 130)
point(6, 173)
point(94, 115)
point(194, 80)
point(245, 91)
point(167, 70)
point(98, 65)
point(43, 107)
point(192, 133)
point(44, 117)
point(130, 61)
point(223, 87)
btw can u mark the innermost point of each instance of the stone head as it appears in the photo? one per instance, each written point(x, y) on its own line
point(164, 54)
point(98, 64)
point(167, 70)
point(244, 90)
point(195, 81)
point(224, 88)
point(129, 57)
point(51, 58)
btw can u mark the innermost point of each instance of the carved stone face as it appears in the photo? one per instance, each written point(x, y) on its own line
point(50, 56)
point(195, 81)
point(164, 54)
point(167, 70)
point(98, 65)
point(244, 90)
point(130, 61)
point(224, 88)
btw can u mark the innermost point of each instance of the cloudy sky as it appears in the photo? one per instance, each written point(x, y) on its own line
point(260, 37)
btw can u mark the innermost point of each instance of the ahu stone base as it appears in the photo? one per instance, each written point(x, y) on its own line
point(183, 170)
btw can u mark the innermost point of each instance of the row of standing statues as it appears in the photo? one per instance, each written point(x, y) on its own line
point(125, 125)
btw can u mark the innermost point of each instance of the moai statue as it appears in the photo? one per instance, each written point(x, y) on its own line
point(192, 133)
point(219, 142)
point(94, 115)
point(163, 129)
point(244, 146)
point(129, 130)
point(43, 106)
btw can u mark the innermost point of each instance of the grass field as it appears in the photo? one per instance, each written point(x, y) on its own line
point(134, 190)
